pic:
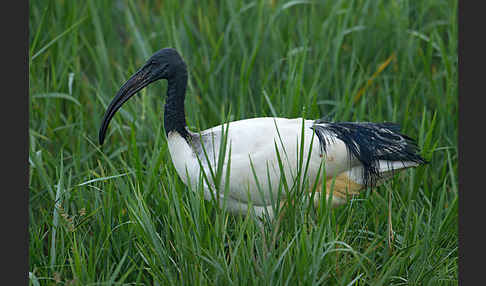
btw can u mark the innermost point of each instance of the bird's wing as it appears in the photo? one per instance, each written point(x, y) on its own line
point(255, 148)
point(249, 137)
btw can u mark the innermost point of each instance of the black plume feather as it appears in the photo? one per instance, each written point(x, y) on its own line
point(370, 143)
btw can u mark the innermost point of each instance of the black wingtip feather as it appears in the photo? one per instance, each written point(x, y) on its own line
point(369, 143)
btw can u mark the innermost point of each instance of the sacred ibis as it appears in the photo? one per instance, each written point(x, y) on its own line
point(262, 151)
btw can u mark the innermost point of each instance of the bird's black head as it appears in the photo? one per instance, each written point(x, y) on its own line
point(164, 64)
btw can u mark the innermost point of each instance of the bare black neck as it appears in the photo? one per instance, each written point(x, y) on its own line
point(174, 114)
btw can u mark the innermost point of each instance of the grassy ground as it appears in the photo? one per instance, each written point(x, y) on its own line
point(120, 214)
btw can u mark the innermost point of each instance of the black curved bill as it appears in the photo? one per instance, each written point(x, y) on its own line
point(134, 84)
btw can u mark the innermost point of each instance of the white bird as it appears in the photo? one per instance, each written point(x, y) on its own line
point(261, 154)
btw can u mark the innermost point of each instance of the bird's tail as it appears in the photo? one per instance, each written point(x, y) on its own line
point(379, 147)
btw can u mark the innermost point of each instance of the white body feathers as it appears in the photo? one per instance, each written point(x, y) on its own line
point(252, 159)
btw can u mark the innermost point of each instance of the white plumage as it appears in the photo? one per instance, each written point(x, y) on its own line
point(255, 146)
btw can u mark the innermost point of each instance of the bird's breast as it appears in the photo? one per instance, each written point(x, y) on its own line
point(183, 157)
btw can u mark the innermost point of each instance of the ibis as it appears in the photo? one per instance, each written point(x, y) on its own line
point(260, 155)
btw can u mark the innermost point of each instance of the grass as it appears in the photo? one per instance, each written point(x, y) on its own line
point(120, 215)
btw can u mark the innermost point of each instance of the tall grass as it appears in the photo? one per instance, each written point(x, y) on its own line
point(120, 214)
